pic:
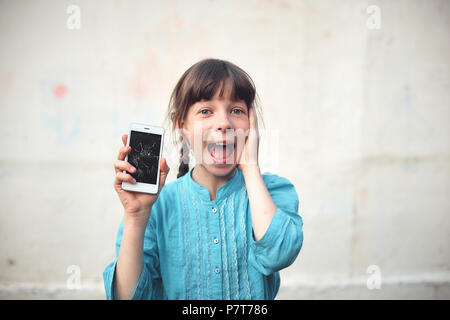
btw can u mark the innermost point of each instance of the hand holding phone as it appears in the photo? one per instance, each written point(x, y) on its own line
point(139, 194)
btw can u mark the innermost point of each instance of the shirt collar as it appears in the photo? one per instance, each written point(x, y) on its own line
point(223, 192)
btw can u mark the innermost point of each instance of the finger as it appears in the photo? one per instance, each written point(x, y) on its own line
point(124, 139)
point(120, 176)
point(164, 171)
point(123, 152)
point(255, 119)
point(253, 123)
point(121, 165)
point(163, 165)
point(252, 118)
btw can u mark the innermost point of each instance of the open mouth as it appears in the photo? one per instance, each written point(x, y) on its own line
point(221, 152)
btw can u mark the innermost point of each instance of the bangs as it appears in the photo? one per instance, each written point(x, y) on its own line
point(212, 76)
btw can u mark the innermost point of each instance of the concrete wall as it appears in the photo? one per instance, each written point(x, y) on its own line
point(361, 117)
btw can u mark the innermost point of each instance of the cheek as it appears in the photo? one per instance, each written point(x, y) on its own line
point(197, 130)
point(197, 139)
point(243, 123)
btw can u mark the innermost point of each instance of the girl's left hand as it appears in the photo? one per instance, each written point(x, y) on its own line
point(249, 154)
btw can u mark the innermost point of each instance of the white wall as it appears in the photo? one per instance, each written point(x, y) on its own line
point(362, 115)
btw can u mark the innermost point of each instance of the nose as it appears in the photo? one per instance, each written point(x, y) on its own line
point(222, 122)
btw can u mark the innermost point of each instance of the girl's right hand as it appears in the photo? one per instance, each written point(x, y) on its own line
point(136, 204)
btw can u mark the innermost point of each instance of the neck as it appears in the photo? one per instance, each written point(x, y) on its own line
point(210, 181)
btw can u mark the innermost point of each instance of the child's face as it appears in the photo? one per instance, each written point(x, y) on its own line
point(219, 120)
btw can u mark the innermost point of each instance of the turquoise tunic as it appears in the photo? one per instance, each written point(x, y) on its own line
point(199, 249)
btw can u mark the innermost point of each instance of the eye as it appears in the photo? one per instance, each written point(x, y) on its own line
point(201, 111)
point(239, 111)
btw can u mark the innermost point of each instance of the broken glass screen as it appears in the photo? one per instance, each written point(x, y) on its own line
point(144, 156)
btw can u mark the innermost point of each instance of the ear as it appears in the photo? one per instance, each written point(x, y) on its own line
point(177, 124)
point(181, 129)
point(180, 125)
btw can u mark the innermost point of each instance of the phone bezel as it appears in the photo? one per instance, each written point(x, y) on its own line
point(140, 186)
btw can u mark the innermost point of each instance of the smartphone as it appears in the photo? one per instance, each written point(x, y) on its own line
point(146, 143)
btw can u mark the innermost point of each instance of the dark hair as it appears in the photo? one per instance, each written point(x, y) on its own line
point(201, 81)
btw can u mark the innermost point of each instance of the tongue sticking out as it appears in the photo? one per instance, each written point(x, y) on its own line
point(221, 153)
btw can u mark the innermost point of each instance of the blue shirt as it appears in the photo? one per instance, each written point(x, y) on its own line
point(199, 249)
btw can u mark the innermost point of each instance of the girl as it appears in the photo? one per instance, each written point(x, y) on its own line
point(221, 230)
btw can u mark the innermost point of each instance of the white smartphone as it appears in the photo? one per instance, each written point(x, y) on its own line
point(146, 143)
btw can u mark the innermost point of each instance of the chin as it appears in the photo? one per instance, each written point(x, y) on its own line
point(220, 170)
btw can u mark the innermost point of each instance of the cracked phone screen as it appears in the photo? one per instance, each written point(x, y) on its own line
point(144, 156)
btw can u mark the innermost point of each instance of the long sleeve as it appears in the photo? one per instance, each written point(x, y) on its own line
point(149, 285)
point(281, 244)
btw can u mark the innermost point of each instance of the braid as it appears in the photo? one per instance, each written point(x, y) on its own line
point(184, 159)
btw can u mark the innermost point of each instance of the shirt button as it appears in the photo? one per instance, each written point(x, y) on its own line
point(214, 210)
point(216, 240)
point(217, 270)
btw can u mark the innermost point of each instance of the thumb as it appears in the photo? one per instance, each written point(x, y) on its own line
point(164, 171)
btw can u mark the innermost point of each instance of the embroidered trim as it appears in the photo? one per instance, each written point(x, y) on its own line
point(234, 265)
point(199, 250)
point(208, 258)
point(224, 252)
point(186, 242)
point(244, 246)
